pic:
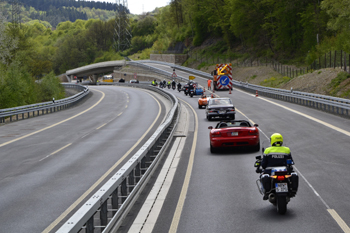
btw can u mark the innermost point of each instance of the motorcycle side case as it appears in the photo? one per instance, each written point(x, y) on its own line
point(294, 179)
point(266, 182)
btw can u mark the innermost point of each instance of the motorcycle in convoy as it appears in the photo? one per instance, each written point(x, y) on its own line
point(154, 83)
point(281, 184)
point(179, 87)
point(191, 92)
point(186, 88)
point(161, 84)
point(173, 85)
point(169, 85)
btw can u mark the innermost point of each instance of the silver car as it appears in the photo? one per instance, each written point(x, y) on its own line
point(220, 108)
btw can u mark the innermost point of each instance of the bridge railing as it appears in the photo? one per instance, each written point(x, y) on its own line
point(106, 209)
point(32, 110)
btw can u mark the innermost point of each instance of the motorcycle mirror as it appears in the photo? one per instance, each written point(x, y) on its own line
point(290, 162)
point(258, 157)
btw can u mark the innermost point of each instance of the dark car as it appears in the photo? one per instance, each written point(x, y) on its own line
point(239, 133)
point(220, 108)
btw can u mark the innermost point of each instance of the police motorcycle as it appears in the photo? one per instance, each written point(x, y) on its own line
point(173, 85)
point(161, 85)
point(281, 184)
point(169, 85)
point(154, 83)
point(186, 88)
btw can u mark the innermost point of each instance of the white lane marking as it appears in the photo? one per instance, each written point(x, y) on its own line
point(176, 219)
point(55, 151)
point(332, 212)
point(51, 126)
point(101, 126)
point(155, 200)
point(99, 181)
point(149, 213)
point(339, 220)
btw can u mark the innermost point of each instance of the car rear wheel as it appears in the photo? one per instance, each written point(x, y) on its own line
point(257, 147)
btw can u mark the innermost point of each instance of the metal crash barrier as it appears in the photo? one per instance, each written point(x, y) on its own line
point(28, 111)
point(106, 209)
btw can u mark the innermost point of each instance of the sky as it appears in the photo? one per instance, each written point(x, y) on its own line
point(141, 6)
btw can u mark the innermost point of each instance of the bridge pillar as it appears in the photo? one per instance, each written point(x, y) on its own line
point(70, 77)
point(94, 78)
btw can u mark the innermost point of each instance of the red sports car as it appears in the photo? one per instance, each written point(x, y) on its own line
point(236, 133)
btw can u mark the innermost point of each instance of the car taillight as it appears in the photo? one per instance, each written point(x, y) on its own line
point(231, 109)
point(216, 134)
point(253, 132)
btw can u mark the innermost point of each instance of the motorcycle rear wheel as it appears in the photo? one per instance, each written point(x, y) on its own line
point(281, 205)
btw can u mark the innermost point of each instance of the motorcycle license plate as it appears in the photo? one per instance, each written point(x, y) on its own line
point(281, 187)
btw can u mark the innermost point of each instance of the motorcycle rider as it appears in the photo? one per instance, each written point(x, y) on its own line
point(274, 156)
point(173, 83)
point(179, 86)
point(191, 86)
point(154, 82)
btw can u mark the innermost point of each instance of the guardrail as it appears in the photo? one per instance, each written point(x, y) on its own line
point(337, 106)
point(334, 105)
point(107, 208)
point(33, 110)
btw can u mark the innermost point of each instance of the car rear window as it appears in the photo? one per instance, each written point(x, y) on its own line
point(220, 101)
point(233, 124)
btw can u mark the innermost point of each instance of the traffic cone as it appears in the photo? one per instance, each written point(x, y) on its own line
point(230, 91)
point(203, 89)
point(256, 94)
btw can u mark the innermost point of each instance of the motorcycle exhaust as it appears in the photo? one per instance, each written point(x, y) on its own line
point(272, 198)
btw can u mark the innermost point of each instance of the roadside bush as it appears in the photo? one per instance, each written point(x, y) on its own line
point(50, 87)
point(17, 87)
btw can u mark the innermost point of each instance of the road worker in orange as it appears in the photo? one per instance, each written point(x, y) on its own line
point(209, 84)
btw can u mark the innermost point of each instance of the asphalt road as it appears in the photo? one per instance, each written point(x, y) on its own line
point(222, 196)
point(50, 164)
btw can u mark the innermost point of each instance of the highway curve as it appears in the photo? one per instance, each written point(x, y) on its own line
point(52, 163)
point(217, 192)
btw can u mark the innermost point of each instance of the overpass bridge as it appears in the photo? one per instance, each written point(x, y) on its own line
point(95, 69)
